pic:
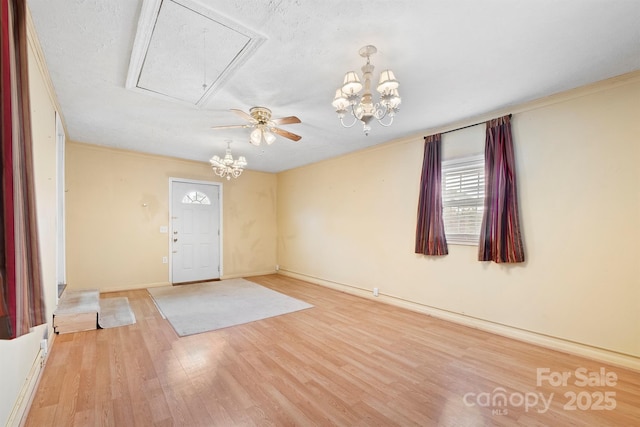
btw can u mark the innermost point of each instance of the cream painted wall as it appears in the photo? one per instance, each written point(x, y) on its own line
point(579, 183)
point(18, 356)
point(114, 242)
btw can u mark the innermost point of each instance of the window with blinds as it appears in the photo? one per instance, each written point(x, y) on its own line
point(463, 199)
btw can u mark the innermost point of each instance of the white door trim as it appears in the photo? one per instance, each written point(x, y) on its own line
point(61, 244)
point(169, 236)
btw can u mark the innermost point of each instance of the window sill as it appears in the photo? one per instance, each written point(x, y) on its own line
point(462, 243)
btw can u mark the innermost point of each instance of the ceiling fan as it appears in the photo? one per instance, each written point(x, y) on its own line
point(264, 127)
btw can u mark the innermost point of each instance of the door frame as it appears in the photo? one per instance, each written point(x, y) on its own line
point(61, 243)
point(170, 228)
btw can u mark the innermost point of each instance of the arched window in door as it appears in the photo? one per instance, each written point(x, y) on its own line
point(196, 198)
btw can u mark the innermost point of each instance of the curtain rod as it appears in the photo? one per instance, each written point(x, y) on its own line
point(467, 126)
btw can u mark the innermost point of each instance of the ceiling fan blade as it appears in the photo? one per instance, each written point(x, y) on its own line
point(230, 127)
point(282, 132)
point(286, 120)
point(244, 115)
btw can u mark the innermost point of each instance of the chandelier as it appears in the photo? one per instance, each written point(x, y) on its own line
point(227, 167)
point(362, 108)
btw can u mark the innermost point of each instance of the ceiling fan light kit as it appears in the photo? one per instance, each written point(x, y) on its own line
point(258, 135)
point(348, 100)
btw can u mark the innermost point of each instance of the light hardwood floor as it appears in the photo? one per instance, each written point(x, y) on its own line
point(348, 361)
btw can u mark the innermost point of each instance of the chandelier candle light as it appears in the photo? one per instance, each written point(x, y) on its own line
point(227, 167)
point(362, 108)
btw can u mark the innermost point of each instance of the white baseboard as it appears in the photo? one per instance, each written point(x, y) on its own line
point(134, 287)
point(20, 409)
point(158, 284)
point(18, 415)
point(245, 275)
point(559, 344)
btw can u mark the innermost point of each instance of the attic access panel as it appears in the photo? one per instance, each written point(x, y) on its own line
point(185, 52)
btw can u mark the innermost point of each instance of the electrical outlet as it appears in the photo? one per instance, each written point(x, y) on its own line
point(44, 346)
point(375, 292)
point(165, 260)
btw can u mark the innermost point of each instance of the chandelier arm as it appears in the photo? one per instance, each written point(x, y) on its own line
point(380, 112)
point(386, 124)
point(355, 120)
point(354, 110)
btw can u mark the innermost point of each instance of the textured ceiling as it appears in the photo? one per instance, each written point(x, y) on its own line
point(455, 60)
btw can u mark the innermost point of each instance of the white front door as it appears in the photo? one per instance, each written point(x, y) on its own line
point(195, 231)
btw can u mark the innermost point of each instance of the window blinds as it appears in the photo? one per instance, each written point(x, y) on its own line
point(463, 199)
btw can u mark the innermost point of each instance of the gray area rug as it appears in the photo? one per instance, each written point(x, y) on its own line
point(202, 307)
point(115, 312)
